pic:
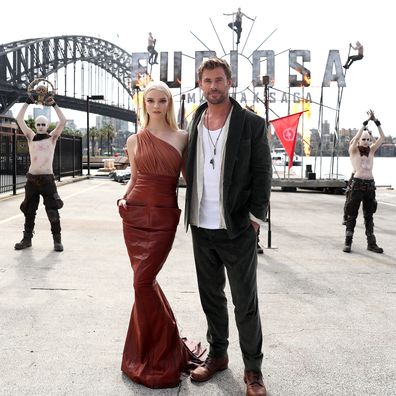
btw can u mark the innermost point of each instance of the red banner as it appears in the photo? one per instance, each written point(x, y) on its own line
point(286, 130)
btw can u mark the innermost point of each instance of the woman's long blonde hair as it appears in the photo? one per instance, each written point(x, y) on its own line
point(170, 113)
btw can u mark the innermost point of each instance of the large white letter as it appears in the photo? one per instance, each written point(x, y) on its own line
point(306, 57)
point(269, 61)
point(333, 60)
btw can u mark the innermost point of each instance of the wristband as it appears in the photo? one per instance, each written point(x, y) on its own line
point(365, 123)
point(53, 104)
point(29, 100)
point(376, 122)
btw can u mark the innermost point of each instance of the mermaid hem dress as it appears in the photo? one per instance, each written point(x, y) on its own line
point(154, 353)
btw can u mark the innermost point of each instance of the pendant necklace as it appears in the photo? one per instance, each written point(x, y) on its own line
point(214, 144)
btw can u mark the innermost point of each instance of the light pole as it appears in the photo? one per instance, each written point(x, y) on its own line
point(267, 123)
point(93, 97)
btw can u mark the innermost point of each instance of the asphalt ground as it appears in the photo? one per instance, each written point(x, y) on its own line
point(329, 318)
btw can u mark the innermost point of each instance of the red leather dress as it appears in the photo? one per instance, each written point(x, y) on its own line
point(154, 353)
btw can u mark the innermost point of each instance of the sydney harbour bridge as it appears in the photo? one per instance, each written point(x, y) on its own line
point(77, 66)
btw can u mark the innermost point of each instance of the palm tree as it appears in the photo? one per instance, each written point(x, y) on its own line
point(94, 133)
point(109, 132)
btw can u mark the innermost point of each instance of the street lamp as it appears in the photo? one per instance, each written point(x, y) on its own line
point(93, 97)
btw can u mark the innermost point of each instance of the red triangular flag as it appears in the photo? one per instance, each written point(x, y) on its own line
point(286, 130)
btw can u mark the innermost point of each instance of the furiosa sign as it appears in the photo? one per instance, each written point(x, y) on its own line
point(258, 60)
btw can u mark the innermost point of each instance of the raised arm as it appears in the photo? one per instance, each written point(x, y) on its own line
point(353, 145)
point(376, 145)
point(61, 123)
point(248, 17)
point(21, 121)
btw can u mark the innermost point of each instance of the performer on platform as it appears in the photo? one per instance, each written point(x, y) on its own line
point(361, 152)
point(353, 58)
point(236, 25)
point(40, 177)
point(151, 49)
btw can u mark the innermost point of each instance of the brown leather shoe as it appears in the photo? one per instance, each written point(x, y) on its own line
point(207, 369)
point(254, 384)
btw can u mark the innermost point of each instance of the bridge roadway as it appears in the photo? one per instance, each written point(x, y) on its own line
point(15, 95)
point(328, 317)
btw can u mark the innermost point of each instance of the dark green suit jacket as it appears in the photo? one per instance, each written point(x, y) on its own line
point(247, 169)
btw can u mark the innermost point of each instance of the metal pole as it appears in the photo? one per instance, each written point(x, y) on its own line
point(266, 97)
point(269, 225)
point(14, 160)
point(88, 158)
point(183, 98)
point(137, 110)
point(59, 143)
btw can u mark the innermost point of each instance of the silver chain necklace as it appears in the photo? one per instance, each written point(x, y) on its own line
point(214, 144)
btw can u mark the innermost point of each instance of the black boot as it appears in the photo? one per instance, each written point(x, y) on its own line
point(348, 244)
point(25, 242)
point(58, 247)
point(372, 244)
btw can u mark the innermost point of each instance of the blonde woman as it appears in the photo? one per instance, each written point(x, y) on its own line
point(154, 353)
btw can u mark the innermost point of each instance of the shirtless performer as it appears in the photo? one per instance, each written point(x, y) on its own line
point(40, 177)
point(361, 154)
point(236, 25)
point(353, 58)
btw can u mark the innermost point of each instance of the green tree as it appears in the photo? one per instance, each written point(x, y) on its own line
point(71, 132)
point(93, 133)
point(30, 124)
point(109, 133)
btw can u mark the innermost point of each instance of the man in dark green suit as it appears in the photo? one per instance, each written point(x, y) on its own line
point(228, 175)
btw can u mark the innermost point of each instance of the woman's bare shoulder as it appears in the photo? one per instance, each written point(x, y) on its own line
point(131, 141)
point(132, 138)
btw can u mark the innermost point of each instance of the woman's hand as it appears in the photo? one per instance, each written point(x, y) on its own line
point(122, 202)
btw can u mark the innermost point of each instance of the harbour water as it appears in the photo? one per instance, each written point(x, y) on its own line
point(384, 169)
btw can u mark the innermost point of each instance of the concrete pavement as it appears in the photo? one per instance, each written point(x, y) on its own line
point(328, 317)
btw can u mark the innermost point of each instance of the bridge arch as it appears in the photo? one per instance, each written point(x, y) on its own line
point(82, 59)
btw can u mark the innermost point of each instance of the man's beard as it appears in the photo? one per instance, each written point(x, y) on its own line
point(218, 100)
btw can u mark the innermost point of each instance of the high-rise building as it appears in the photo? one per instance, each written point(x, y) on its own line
point(42, 111)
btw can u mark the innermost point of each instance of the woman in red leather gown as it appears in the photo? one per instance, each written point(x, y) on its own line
point(154, 353)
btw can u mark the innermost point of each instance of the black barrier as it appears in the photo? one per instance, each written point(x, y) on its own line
point(15, 160)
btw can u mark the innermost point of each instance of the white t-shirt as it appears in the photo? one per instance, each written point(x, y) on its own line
point(209, 210)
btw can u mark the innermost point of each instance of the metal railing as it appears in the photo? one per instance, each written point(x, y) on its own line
point(15, 160)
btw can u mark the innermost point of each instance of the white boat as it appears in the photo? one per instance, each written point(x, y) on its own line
point(280, 158)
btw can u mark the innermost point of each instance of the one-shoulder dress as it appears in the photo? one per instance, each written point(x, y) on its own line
point(154, 353)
